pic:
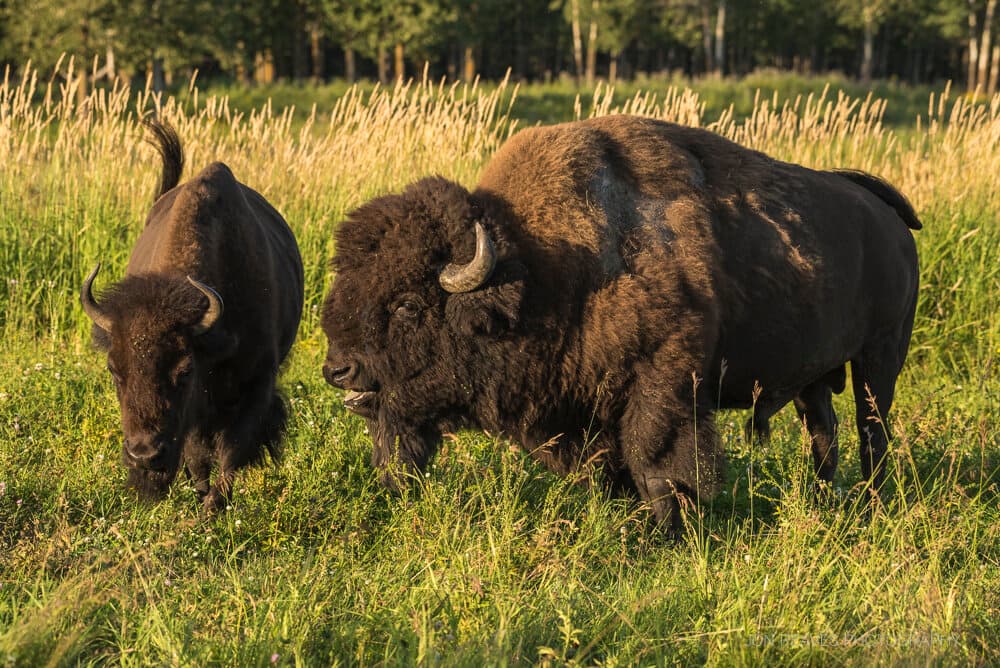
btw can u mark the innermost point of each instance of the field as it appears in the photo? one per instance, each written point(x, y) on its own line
point(492, 560)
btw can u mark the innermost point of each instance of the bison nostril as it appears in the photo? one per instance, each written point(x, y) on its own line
point(338, 376)
point(144, 455)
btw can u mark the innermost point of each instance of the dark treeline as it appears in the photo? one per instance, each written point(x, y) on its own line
point(264, 40)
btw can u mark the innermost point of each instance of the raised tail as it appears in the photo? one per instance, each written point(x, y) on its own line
point(885, 192)
point(166, 142)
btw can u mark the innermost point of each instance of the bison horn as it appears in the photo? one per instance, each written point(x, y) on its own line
point(214, 310)
point(90, 305)
point(468, 277)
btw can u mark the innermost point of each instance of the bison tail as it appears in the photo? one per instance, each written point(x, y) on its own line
point(885, 192)
point(166, 142)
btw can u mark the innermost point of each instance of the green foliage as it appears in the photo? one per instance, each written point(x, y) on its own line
point(922, 40)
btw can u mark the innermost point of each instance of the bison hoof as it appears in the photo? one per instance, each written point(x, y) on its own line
point(214, 502)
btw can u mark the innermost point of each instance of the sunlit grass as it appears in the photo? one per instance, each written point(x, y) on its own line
point(493, 560)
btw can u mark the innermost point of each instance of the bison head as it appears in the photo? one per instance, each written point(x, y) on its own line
point(426, 289)
point(162, 336)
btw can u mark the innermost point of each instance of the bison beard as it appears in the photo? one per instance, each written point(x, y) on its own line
point(608, 285)
point(400, 453)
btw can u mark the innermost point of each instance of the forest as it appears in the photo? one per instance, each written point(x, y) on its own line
point(913, 41)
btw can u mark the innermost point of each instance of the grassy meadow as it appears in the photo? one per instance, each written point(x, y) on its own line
point(492, 561)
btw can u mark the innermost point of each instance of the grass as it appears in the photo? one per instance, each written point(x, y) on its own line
point(493, 560)
point(554, 102)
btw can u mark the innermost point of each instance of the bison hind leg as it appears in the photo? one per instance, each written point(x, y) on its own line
point(873, 374)
point(814, 405)
point(758, 426)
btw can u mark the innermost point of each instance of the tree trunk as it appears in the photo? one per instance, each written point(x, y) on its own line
point(82, 88)
point(994, 71)
point(399, 65)
point(973, 48)
point(706, 35)
point(316, 53)
point(577, 40)
point(592, 43)
point(158, 80)
point(349, 67)
point(300, 67)
point(468, 65)
point(383, 65)
point(613, 68)
point(985, 50)
point(720, 39)
point(109, 63)
point(868, 47)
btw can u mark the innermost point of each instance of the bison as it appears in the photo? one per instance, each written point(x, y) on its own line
point(607, 286)
point(196, 331)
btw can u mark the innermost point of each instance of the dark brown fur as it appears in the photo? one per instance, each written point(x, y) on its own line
point(647, 274)
point(210, 397)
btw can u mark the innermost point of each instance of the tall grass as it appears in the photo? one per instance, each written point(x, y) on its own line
point(492, 561)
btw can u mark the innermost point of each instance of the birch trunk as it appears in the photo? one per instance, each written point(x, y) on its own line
point(720, 39)
point(706, 36)
point(399, 65)
point(577, 40)
point(868, 48)
point(985, 50)
point(592, 43)
point(973, 47)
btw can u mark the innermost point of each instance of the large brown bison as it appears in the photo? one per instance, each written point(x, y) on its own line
point(606, 287)
point(196, 331)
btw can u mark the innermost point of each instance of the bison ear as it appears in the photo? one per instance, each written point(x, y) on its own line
point(492, 310)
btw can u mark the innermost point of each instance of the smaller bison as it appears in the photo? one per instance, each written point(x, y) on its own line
point(196, 331)
point(607, 286)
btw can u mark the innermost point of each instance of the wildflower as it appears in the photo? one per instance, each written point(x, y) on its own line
point(19, 502)
point(275, 657)
point(39, 366)
point(3, 488)
point(3, 396)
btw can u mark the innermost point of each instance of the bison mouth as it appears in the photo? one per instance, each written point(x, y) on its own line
point(361, 403)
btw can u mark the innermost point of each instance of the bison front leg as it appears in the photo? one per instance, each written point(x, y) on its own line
point(198, 459)
point(671, 455)
point(256, 428)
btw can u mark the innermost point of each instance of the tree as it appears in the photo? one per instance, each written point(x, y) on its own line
point(42, 31)
point(869, 15)
point(619, 25)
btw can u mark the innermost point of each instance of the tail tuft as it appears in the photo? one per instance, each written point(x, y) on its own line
point(166, 142)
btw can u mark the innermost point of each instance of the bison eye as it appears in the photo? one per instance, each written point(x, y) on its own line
point(408, 308)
